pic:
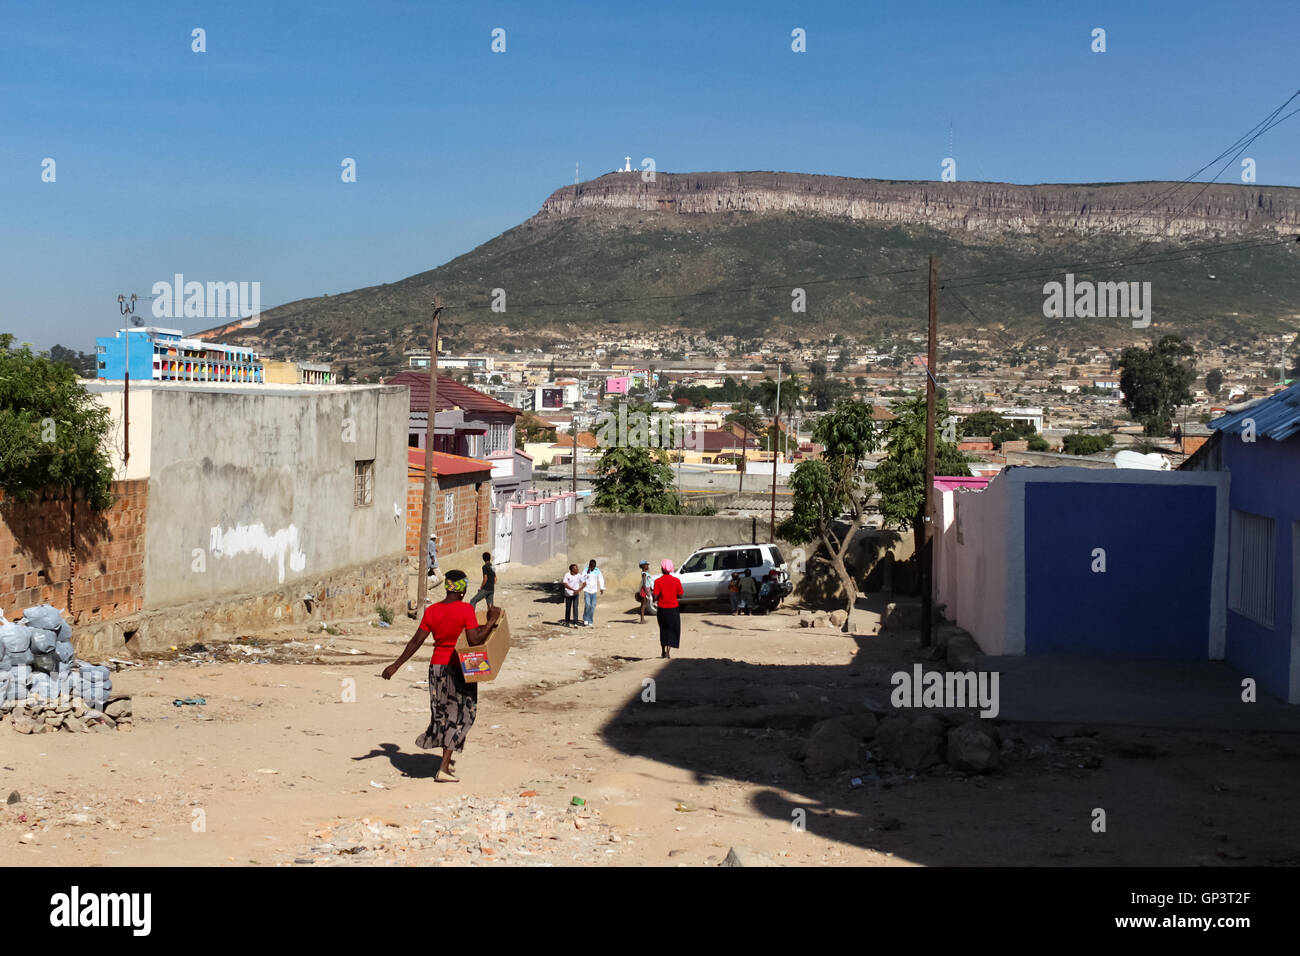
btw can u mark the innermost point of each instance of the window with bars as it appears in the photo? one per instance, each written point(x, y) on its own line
point(363, 488)
point(1251, 567)
point(498, 438)
point(449, 508)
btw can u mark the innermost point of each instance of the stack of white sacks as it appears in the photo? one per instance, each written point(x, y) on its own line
point(38, 665)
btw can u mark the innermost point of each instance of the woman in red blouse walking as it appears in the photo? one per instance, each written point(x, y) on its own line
point(667, 589)
point(453, 702)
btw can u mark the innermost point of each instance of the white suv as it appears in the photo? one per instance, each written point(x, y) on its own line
point(706, 573)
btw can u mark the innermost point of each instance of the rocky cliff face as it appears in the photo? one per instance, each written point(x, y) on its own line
point(1156, 209)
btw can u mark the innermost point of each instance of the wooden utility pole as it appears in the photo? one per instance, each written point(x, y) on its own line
point(927, 527)
point(776, 437)
point(430, 479)
point(573, 433)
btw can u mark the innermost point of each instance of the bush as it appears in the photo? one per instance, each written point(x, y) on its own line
point(385, 614)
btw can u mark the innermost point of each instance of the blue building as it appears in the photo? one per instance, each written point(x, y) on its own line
point(165, 355)
point(1259, 447)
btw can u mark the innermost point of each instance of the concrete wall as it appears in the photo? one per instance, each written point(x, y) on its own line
point(619, 541)
point(251, 490)
point(339, 595)
point(971, 573)
point(1014, 563)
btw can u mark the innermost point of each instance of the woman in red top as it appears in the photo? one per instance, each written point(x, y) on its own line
point(453, 702)
point(667, 590)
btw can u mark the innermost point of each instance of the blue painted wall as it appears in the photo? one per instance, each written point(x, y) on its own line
point(1265, 481)
point(114, 356)
point(1153, 600)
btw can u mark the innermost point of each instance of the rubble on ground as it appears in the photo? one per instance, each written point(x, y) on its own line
point(471, 831)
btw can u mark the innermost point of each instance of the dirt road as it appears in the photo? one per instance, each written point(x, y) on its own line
point(303, 756)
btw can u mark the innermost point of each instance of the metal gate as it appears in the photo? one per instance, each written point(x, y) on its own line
point(501, 524)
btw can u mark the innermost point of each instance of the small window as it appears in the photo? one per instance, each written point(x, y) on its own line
point(363, 490)
point(1251, 567)
point(449, 508)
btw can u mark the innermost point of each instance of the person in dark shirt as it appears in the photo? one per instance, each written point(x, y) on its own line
point(489, 585)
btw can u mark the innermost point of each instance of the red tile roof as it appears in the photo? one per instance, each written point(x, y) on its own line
point(444, 464)
point(451, 395)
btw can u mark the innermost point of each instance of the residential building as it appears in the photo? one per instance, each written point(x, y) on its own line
point(1259, 446)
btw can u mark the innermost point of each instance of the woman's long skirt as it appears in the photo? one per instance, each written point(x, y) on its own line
point(453, 705)
point(670, 626)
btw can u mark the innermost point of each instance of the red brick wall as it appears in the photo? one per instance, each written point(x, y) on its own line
point(35, 559)
point(471, 523)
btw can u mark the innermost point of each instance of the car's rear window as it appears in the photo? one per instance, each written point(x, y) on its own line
point(777, 558)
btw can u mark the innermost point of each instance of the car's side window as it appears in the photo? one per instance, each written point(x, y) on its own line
point(751, 558)
point(700, 562)
point(728, 560)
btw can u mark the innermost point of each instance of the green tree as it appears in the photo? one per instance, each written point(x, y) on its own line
point(900, 478)
point(52, 432)
point(825, 489)
point(1156, 381)
point(635, 480)
point(1214, 381)
point(83, 363)
point(746, 416)
point(1081, 444)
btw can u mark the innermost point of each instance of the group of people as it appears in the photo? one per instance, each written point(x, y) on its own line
point(453, 701)
point(591, 585)
point(748, 595)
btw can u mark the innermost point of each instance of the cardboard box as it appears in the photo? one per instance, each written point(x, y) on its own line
point(484, 662)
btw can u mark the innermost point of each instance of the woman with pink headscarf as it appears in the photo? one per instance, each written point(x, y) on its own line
point(667, 589)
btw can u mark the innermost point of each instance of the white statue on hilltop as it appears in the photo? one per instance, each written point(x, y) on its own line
point(627, 164)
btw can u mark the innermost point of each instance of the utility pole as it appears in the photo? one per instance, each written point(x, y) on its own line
point(126, 307)
point(776, 436)
point(927, 527)
point(573, 433)
point(430, 479)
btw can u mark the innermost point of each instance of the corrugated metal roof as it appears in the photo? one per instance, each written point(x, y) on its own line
point(445, 464)
point(1276, 417)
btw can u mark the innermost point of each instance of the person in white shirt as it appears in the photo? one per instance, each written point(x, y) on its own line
point(573, 584)
point(593, 584)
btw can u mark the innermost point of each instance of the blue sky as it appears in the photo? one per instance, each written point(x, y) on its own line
point(225, 165)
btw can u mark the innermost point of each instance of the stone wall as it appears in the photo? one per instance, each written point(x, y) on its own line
point(348, 592)
point(105, 568)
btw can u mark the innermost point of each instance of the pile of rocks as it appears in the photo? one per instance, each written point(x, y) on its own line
point(966, 744)
point(45, 686)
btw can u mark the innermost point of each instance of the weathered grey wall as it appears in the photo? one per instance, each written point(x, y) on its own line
point(619, 541)
point(251, 490)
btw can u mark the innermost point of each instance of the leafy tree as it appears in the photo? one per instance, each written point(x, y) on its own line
point(791, 394)
point(531, 428)
point(900, 478)
point(1081, 444)
point(746, 417)
point(83, 363)
point(52, 432)
point(1214, 380)
point(635, 480)
point(826, 488)
point(1156, 381)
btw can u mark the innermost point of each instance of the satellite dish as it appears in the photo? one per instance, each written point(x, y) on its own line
point(137, 321)
point(1135, 459)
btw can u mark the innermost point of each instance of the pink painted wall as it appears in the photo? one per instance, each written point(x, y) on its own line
point(618, 385)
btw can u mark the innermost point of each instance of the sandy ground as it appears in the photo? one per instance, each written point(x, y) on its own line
point(303, 756)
